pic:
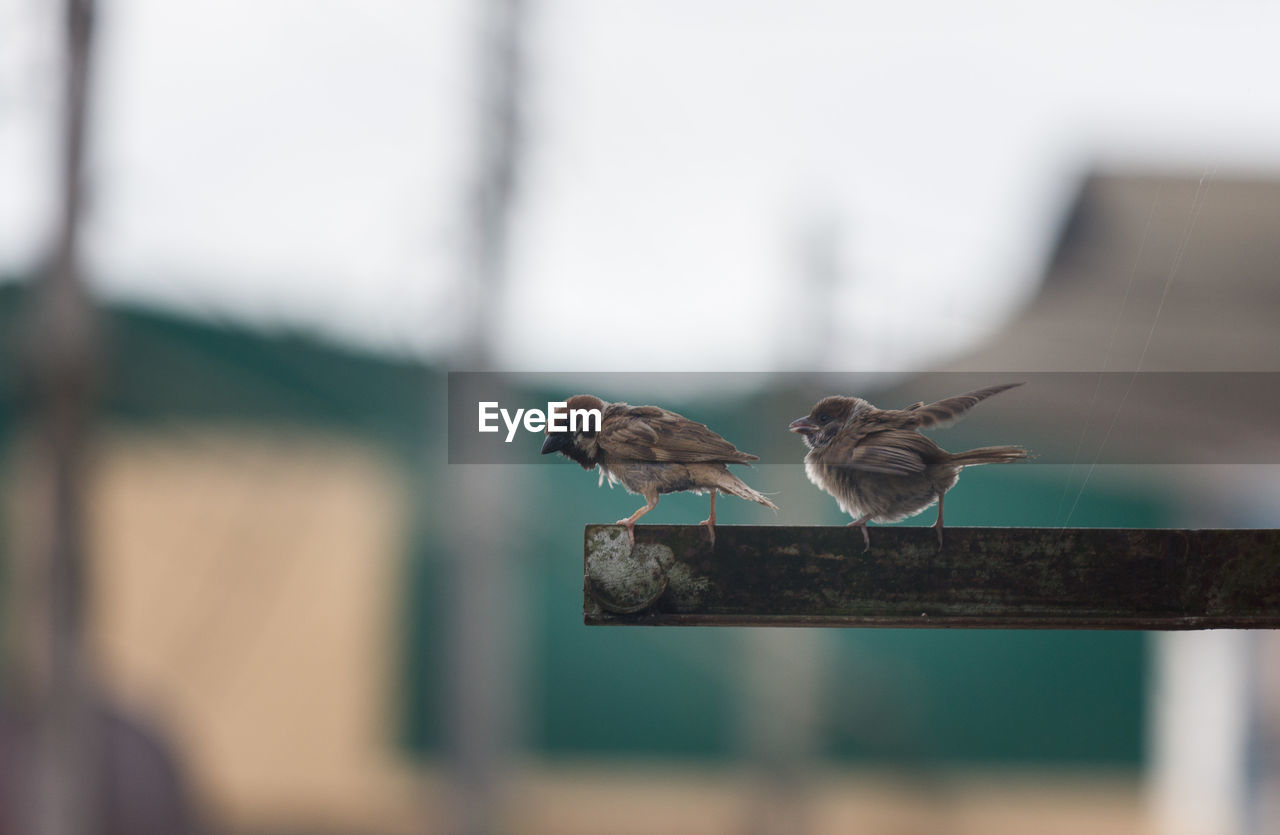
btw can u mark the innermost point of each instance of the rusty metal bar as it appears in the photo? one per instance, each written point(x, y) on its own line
point(991, 578)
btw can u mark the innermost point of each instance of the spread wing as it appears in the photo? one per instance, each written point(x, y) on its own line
point(650, 433)
point(945, 412)
point(893, 451)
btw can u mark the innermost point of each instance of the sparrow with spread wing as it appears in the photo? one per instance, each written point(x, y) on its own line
point(876, 463)
point(651, 451)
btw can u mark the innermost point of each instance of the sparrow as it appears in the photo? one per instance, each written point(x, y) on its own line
point(876, 463)
point(650, 451)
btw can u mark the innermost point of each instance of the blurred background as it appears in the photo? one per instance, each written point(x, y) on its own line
point(243, 588)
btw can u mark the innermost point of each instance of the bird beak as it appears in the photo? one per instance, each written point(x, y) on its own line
point(803, 425)
point(555, 442)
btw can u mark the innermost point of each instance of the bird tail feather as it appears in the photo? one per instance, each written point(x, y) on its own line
point(730, 483)
point(990, 455)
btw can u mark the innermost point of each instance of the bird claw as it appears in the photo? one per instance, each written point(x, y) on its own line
point(631, 530)
point(711, 530)
point(866, 537)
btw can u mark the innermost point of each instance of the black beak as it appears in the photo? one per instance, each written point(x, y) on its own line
point(803, 425)
point(555, 442)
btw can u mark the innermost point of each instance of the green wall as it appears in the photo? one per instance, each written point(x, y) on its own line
point(902, 697)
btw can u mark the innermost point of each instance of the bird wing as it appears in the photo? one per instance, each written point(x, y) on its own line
point(892, 451)
point(650, 433)
point(945, 412)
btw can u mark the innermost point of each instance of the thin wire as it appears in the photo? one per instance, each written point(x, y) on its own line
point(1173, 271)
point(1106, 359)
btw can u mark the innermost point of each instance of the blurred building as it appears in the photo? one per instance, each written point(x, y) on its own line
point(251, 518)
point(1177, 274)
point(269, 587)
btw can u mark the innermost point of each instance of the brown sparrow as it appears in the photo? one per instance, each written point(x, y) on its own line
point(878, 466)
point(651, 451)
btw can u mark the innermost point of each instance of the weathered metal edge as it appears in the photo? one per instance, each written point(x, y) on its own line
point(1027, 617)
point(1173, 623)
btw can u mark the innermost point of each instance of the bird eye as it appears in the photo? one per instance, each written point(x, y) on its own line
point(824, 418)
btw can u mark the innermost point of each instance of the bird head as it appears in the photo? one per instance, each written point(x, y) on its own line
point(827, 417)
point(578, 443)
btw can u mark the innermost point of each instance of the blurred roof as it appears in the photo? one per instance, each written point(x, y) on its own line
point(1154, 273)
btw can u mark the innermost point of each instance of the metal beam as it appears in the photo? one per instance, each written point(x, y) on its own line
point(995, 578)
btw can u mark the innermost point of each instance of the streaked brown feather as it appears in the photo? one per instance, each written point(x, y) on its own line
point(651, 433)
point(893, 451)
point(652, 451)
point(878, 466)
point(947, 411)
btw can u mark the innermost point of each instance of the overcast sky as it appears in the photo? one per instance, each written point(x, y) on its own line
point(304, 163)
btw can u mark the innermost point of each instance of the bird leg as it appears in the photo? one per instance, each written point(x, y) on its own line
point(866, 537)
point(630, 522)
point(710, 521)
point(937, 526)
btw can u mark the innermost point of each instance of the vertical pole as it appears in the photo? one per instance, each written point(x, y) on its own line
point(781, 705)
point(484, 674)
point(52, 695)
point(498, 147)
point(1199, 732)
point(781, 668)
